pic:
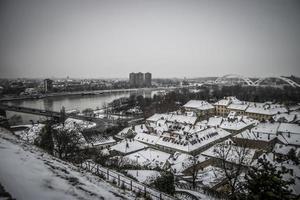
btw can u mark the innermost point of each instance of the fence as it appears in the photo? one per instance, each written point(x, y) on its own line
point(124, 182)
point(202, 189)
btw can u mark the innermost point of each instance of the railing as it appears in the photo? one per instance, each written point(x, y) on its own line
point(202, 189)
point(124, 182)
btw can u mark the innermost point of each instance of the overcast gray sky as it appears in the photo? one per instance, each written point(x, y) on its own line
point(184, 38)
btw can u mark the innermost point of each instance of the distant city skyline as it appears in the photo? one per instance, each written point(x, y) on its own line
point(110, 39)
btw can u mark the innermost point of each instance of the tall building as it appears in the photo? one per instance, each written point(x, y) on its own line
point(148, 78)
point(140, 79)
point(132, 79)
point(48, 85)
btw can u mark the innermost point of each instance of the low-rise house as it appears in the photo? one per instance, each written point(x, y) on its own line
point(211, 177)
point(182, 164)
point(99, 141)
point(285, 117)
point(149, 158)
point(281, 151)
point(237, 124)
point(147, 138)
point(239, 108)
point(215, 121)
point(127, 146)
point(289, 134)
point(289, 128)
point(264, 111)
point(231, 153)
point(256, 140)
point(202, 108)
point(125, 133)
point(221, 106)
point(191, 143)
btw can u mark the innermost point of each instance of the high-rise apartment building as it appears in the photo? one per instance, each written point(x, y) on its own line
point(148, 77)
point(140, 79)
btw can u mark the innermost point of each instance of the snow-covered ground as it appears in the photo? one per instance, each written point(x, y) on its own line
point(144, 176)
point(30, 133)
point(26, 172)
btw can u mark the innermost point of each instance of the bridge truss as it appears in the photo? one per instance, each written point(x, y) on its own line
point(258, 82)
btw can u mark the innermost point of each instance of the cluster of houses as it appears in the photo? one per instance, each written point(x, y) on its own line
point(191, 137)
point(172, 141)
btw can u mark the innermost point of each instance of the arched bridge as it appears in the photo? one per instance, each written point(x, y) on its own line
point(258, 82)
point(245, 79)
point(289, 81)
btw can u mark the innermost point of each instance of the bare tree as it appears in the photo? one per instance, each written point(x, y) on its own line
point(233, 160)
point(193, 169)
point(67, 143)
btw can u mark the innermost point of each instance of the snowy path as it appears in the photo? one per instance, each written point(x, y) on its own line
point(26, 172)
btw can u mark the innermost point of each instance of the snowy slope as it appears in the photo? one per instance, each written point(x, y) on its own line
point(26, 172)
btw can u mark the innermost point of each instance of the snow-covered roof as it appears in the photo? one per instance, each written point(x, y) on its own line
point(284, 117)
point(232, 151)
point(149, 157)
point(181, 161)
point(157, 117)
point(147, 138)
point(267, 127)
point(172, 118)
point(182, 119)
point(141, 128)
point(99, 140)
point(198, 104)
point(247, 134)
point(125, 132)
point(128, 146)
point(214, 121)
point(290, 139)
point(235, 106)
point(289, 128)
point(285, 149)
point(210, 176)
point(222, 102)
point(237, 123)
point(227, 100)
point(189, 143)
point(266, 108)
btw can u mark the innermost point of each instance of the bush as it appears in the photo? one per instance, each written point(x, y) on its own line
point(165, 183)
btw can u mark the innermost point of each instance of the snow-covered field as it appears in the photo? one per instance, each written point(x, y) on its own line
point(26, 172)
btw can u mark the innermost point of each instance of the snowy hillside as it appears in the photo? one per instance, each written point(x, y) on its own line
point(26, 172)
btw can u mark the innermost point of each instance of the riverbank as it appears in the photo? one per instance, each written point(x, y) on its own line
point(82, 93)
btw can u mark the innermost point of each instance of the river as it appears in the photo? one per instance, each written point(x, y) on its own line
point(69, 102)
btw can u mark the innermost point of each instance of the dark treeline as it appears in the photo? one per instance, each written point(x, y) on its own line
point(175, 99)
point(285, 95)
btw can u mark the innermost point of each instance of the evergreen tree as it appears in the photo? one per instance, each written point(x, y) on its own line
point(46, 138)
point(292, 156)
point(165, 183)
point(265, 183)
